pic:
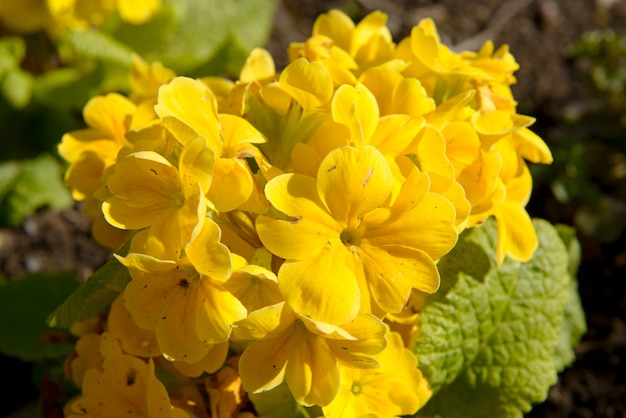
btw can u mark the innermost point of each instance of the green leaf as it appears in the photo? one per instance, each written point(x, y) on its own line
point(12, 51)
point(193, 36)
point(96, 44)
point(39, 183)
point(279, 403)
point(15, 83)
point(574, 324)
point(17, 88)
point(26, 303)
point(93, 297)
point(488, 344)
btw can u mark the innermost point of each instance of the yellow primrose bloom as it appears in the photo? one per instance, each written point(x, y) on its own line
point(396, 388)
point(126, 386)
point(188, 109)
point(184, 301)
point(347, 249)
point(92, 150)
point(144, 190)
point(433, 63)
point(396, 94)
point(287, 111)
point(82, 14)
point(344, 48)
point(108, 119)
point(146, 79)
point(304, 352)
point(78, 14)
point(497, 66)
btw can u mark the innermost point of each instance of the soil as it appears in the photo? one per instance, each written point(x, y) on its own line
point(539, 33)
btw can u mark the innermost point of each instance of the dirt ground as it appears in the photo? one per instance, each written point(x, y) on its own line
point(538, 33)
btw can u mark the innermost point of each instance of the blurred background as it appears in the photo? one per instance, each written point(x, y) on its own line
point(572, 79)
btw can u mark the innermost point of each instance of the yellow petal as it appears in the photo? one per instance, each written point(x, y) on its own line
point(214, 359)
point(352, 182)
point(193, 104)
point(109, 114)
point(308, 224)
point(134, 340)
point(309, 83)
point(255, 286)
point(312, 372)
point(337, 26)
point(262, 364)
point(321, 288)
point(208, 255)
point(137, 12)
point(516, 235)
point(259, 66)
point(196, 164)
point(356, 108)
point(231, 185)
point(393, 272)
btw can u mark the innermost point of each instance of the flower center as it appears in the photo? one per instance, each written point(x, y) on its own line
point(350, 237)
point(356, 388)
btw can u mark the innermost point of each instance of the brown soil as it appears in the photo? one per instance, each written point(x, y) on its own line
point(539, 33)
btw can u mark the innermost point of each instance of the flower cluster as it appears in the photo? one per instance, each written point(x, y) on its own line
point(284, 228)
point(58, 16)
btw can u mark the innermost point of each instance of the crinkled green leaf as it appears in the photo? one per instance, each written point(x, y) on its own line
point(488, 344)
point(26, 303)
point(574, 323)
point(193, 36)
point(93, 297)
point(39, 183)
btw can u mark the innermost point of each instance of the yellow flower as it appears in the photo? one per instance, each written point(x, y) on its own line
point(344, 48)
point(345, 253)
point(139, 11)
point(188, 109)
point(146, 79)
point(126, 386)
point(396, 94)
point(184, 301)
point(287, 111)
point(92, 150)
point(144, 190)
point(396, 388)
point(437, 67)
point(304, 352)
